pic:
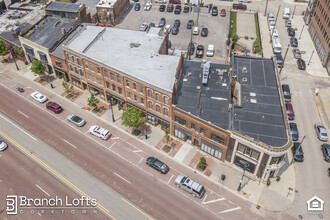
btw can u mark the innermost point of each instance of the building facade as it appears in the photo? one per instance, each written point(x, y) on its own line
point(110, 11)
point(68, 10)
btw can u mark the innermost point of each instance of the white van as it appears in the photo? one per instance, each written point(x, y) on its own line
point(277, 47)
point(286, 14)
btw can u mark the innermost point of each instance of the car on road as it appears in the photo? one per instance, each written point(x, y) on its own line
point(288, 23)
point(161, 1)
point(325, 148)
point(190, 24)
point(321, 132)
point(204, 32)
point(298, 153)
point(143, 27)
point(289, 111)
point(147, 7)
point(296, 53)
point(175, 30)
point(190, 186)
point(246, 1)
point(186, 9)
point(99, 132)
point(294, 131)
point(76, 120)
point(137, 7)
point(177, 23)
point(239, 6)
point(157, 165)
point(200, 51)
point(175, 1)
point(286, 92)
point(291, 31)
point(210, 50)
point(162, 22)
point(162, 8)
point(39, 97)
point(170, 8)
point(177, 9)
point(223, 13)
point(293, 42)
point(196, 31)
point(215, 11)
point(191, 48)
point(3, 145)
point(301, 64)
point(167, 28)
point(54, 107)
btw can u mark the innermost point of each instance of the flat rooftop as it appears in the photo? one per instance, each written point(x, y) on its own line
point(63, 7)
point(133, 52)
point(50, 32)
point(90, 5)
point(209, 102)
point(262, 120)
point(106, 3)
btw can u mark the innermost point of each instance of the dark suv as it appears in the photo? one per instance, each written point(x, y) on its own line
point(162, 22)
point(162, 8)
point(298, 153)
point(177, 9)
point(215, 11)
point(293, 42)
point(190, 24)
point(191, 48)
point(170, 8)
point(326, 151)
point(301, 64)
point(286, 93)
point(294, 131)
point(157, 165)
point(291, 32)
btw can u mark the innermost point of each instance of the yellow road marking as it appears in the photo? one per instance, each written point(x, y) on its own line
point(137, 208)
point(43, 164)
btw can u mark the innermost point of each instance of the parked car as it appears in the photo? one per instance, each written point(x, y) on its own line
point(161, 1)
point(135, 0)
point(289, 111)
point(246, 1)
point(189, 185)
point(271, 17)
point(167, 28)
point(298, 153)
point(175, 30)
point(223, 13)
point(200, 51)
point(3, 145)
point(76, 120)
point(301, 64)
point(296, 53)
point(147, 7)
point(239, 6)
point(321, 132)
point(271, 25)
point(170, 8)
point(137, 7)
point(152, 25)
point(215, 11)
point(99, 132)
point(286, 92)
point(143, 27)
point(275, 32)
point(288, 23)
point(291, 31)
point(175, 1)
point(186, 9)
point(325, 148)
point(162, 22)
point(190, 24)
point(162, 8)
point(54, 107)
point(294, 131)
point(191, 48)
point(177, 23)
point(177, 9)
point(39, 97)
point(157, 165)
point(293, 42)
point(204, 32)
point(196, 31)
point(210, 50)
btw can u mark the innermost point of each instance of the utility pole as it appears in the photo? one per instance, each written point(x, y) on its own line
point(286, 52)
point(245, 165)
point(310, 58)
point(266, 8)
point(301, 32)
point(190, 44)
point(271, 36)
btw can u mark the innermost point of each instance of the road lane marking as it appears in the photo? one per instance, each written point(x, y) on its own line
point(211, 201)
point(137, 151)
point(69, 143)
point(137, 209)
point(23, 114)
point(140, 160)
point(230, 210)
point(18, 128)
point(112, 145)
point(43, 190)
point(39, 213)
point(54, 173)
point(122, 178)
point(170, 179)
point(115, 138)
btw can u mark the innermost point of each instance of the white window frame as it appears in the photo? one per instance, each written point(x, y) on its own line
point(164, 111)
point(151, 103)
point(148, 92)
point(159, 107)
point(168, 98)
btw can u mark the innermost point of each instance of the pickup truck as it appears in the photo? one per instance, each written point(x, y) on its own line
point(239, 6)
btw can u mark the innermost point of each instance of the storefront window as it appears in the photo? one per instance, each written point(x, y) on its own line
point(217, 139)
point(180, 120)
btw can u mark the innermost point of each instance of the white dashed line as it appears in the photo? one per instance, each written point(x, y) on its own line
point(69, 143)
point(19, 128)
point(23, 114)
point(230, 210)
point(122, 178)
point(137, 151)
point(42, 190)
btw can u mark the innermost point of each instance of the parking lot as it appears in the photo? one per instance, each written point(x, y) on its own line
point(217, 27)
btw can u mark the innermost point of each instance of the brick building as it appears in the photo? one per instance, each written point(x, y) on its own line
point(110, 11)
point(68, 10)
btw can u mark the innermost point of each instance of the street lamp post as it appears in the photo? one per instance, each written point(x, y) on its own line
point(245, 166)
point(110, 105)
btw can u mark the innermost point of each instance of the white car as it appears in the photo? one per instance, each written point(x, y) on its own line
point(76, 120)
point(148, 6)
point(321, 132)
point(100, 132)
point(3, 145)
point(161, 1)
point(39, 97)
point(247, 1)
point(210, 50)
point(143, 27)
point(196, 31)
point(275, 33)
point(271, 25)
point(168, 28)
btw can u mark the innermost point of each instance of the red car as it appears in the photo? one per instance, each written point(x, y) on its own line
point(200, 51)
point(175, 1)
point(223, 13)
point(54, 107)
point(289, 111)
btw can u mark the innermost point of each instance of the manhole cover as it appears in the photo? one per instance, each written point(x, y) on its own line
point(300, 217)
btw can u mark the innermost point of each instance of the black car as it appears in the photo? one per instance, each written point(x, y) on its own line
point(137, 7)
point(135, 0)
point(291, 32)
point(177, 9)
point(162, 22)
point(215, 11)
point(170, 8)
point(186, 9)
point(175, 30)
point(301, 64)
point(298, 153)
point(293, 42)
point(190, 24)
point(286, 93)
point(191, 48)
point(294, 131)
point(204, 32)
point(157, 165)
point(152, 25)
point(326, 151)
point(162, 8)
point(177, 23)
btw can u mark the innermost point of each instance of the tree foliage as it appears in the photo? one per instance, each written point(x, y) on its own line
point(19, 50)
point(202, 163)
point(3, 48)
point(92, 101)
point(132, 118)
point(235, 38)
point(67, 87)
point(38, 68)
point(167, 136)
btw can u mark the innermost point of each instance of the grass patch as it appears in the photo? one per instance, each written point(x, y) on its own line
point(233, 24)
point(257, 42)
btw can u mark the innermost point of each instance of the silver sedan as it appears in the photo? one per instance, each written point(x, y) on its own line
point(321, 132)
point(76, 120)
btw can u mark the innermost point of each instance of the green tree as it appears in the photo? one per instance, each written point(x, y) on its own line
point(132, 118)
point(67, 87)
point(202, 163)
point(3, 49)
point(92, 101)
point(38, 68)
point(235, 38)
point(19, 50)
point(167, 136)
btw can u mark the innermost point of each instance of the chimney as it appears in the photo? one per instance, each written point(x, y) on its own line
point(63, 31)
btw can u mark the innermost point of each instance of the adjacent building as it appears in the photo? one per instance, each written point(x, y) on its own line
point(67, 10)
point(110, 11)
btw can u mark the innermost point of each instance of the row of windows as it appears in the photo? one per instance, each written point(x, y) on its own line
point(248, 151)
point(113, 87)
point(75, 69)
point(73, 59)
point(157, 96)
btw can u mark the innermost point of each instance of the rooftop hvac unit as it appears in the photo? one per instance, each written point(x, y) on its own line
point(253, 94)
point(244, 80)
point(206, 72)
point(253, 101)
point(244, 70)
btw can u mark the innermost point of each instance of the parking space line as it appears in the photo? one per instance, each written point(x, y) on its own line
point(137, 151)
point(115, 138)
point(23, 114)
point(69, 143)
point(140, 160)
point(122, 178)
point(42, 190)
point(230, 210)
point(170, 179)
point(112, 145)
point(212, 201)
